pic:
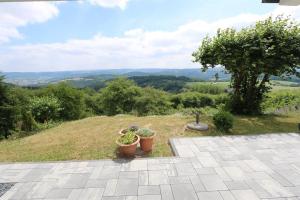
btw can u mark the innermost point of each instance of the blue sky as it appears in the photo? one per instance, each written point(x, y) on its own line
point(103, 34)
point(84, 20)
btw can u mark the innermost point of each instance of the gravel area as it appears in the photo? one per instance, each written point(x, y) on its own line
point(4, 187)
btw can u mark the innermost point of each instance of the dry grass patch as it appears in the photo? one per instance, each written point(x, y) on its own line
point(94, 138)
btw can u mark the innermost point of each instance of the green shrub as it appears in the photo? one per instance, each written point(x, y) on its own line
point(145, 132)
point(9, 110)
point(206, 88)
point(152, 102)
point(28, 122)
point(281, 99)
point(192, 100)
point(119, 96)
point(128, 138)
point(71, 100)
point(223, 121)
point(45, 108)
point(221, 99)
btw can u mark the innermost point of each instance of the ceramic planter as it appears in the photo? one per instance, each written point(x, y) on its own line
point(128, 150)
point(146, 143)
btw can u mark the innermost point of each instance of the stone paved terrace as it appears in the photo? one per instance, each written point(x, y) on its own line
point(208, 168)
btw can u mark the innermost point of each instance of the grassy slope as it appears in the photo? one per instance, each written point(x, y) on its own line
point(94, 138)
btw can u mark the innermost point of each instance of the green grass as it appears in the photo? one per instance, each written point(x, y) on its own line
point(94, 138)
point(276, 85)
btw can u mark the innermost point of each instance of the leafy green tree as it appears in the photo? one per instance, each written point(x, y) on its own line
point(9, 111)
point(44, 109)
point(119, 96)
point(71, 100)
point(152, 102)
point(252, 55)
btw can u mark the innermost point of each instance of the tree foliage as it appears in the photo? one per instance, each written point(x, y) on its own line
point(152, 102)
point(44, 108)
point(71, 100)
point(9, 111)
point(119, 96)
point(252, 55)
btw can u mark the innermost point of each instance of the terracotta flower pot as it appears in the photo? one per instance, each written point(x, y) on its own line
point(128, 150)
point(122, 131)
point(146, 143)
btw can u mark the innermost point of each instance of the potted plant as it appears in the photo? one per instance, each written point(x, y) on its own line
point(128, 143)
point(146, 138)
point(131, 128)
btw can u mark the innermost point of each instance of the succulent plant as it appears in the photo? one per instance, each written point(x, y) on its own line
point(145, 132)
point(128, 138)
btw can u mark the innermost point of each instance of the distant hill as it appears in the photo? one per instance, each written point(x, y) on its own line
point(44, 78)
point(91, 78)
point(162, 82)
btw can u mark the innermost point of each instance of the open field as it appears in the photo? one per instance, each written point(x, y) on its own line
point(94, 138)
point(276, 85)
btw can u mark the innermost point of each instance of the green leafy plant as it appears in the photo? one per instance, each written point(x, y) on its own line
point(45, 108)
point(223, 121)
point(128, 138)
point(145, 132)
point(252, 56)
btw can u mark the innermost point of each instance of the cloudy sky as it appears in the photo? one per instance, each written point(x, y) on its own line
point(106, 34)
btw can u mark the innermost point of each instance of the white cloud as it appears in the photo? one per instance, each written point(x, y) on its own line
point(135, 48)
point(110, 3)
point(15, 15)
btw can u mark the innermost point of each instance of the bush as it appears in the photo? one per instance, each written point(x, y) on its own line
point(221, 99)
point(281, 99)
point(206, 88)
point(119, 96)
point(192, 100)
point(28, 122)
point(71, 100)
point(223, 121)
point(152, 102)
point(45, 108)
point(9, 110)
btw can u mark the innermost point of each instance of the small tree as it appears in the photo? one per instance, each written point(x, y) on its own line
point(9, 110)
point(252, 55)
point(119, 96)
point(44, 108)
point(152, 102)
point(71, 100)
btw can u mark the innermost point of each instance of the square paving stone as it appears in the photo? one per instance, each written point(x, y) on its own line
point(158, 178)
point(179, 179)
point(227, 195)
point(148, 190)
point(185, 169)
point(133, 174)
point(59, 193)
point(96, 183)
point(110, 187)
point(209, 196)
point(212, 182)
point(91, 194)
point(236, 185)
point(244, 195)
point(143, 178)
point(149, 197)
point(76, 181)
point(127, 187)
point(110, 172)
point(184, 192)
point(166, 192)
point(198, 185)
